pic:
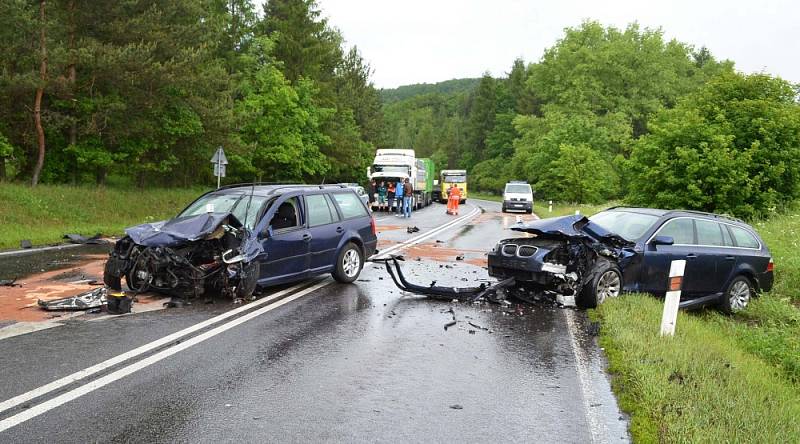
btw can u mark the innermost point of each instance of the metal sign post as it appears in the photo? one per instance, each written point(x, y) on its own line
point(219, 160)
point(673, 298)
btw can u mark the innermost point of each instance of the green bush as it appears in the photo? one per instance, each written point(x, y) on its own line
point(730, 148)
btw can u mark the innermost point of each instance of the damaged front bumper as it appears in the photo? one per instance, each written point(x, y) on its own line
point(185, 257)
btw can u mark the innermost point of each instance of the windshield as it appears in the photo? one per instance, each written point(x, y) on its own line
point(228, 203)
point(390, 169)
point(460, 178)
point(518, 188)
point(630, 226)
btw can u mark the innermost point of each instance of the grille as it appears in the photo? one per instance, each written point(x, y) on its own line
point(518, 199)
point(526, 251)
point(509, 249)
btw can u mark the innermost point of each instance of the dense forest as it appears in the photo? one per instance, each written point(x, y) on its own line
point(141, 92)
point(617, 114)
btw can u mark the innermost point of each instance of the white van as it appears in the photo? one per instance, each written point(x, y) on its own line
point(518, 196)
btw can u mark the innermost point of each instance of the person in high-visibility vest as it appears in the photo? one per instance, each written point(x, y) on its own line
point(453, 198)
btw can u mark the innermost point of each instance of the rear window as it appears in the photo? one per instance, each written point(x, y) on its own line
point(681, 230)
point(350, 205)
point(518, 188)
point(709, 233)
point(743, 238)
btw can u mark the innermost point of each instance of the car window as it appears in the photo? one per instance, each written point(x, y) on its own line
point(743, 238)
point(319, 210)
point(244, 207)
point(628, 225)
point(681, 230)
point(518, 188)
point(708, 232)
point(350, 205)
point(332, 206)
point(287, 216)
point(726, 236)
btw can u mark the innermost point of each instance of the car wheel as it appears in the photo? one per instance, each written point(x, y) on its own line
point(738, 295)
point(504, 209)
point(348, 264)
point(606, 282)
point(248, 280)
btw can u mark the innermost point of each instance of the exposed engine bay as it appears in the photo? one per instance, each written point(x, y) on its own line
point(186, 257)
point(566, 256)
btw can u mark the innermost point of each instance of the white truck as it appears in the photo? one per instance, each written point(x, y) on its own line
point(392, 165)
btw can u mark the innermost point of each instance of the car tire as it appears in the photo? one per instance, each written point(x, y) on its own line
point(605, 281)
point(529, 211)
point(504, 209)
point(249, 280)
point(737, 295)
point(349, 263)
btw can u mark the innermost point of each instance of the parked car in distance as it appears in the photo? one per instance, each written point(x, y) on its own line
point(242, 236)
point(631, 249)
point(362, 194)
point(518, 196)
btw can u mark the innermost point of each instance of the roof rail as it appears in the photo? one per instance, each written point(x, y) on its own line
point(715, 215)
point(278, 185)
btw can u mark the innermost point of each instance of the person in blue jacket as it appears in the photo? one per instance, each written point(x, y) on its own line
point(398, 193)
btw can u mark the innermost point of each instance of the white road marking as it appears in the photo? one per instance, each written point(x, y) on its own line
point(105, 380)
point(55, 385)
point(146, 362)
point(597, 427)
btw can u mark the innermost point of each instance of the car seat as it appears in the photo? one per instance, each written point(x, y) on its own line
point(285, 217)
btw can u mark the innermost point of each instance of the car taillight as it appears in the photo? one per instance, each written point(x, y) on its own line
point(770, 265)
point(372, 224)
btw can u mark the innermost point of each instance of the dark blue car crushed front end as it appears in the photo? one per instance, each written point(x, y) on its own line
point(555, 255)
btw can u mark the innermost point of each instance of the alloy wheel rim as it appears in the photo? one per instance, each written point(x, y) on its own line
point(608, 286)
point(739, 295)
point(351, 263)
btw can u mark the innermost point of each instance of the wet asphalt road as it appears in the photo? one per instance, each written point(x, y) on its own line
point(351, 363)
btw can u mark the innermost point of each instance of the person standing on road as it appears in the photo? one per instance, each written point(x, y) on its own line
point(408, 191)
point(381, 195)
point(371, 192)
point(390, 193)
point(399, 196)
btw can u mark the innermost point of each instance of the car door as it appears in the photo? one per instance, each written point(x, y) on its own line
point(658, 258)
point(285, 240)
point(714, 259)
point(326, 232)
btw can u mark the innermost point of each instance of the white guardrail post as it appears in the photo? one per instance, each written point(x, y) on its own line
point(673, 298)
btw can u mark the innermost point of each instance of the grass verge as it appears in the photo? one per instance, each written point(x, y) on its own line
point(45, 213)
point(699, 386)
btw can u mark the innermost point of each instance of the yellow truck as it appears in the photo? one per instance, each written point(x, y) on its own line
point(448, 178)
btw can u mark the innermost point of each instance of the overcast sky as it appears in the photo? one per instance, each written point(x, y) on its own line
point(416, 41)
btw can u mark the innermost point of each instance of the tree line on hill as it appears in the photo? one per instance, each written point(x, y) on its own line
point(143, 91)
point(617, 114)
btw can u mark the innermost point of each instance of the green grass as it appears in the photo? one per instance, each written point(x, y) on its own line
point(699, 386)
point(45, 213)
point(721, 378)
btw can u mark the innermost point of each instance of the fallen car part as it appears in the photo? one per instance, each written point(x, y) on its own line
point(91, 299)
point(78, 239)
point(9, 283)
point(463, 294)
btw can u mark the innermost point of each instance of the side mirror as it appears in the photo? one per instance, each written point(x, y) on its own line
point(267, 232)
point(663, 240)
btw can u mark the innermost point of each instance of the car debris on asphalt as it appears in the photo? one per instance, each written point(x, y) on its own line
point(9, 283)
point(94, 240)
point(94, 298)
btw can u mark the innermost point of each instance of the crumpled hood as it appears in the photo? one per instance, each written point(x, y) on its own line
point(571, 226)
point(180, 230)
